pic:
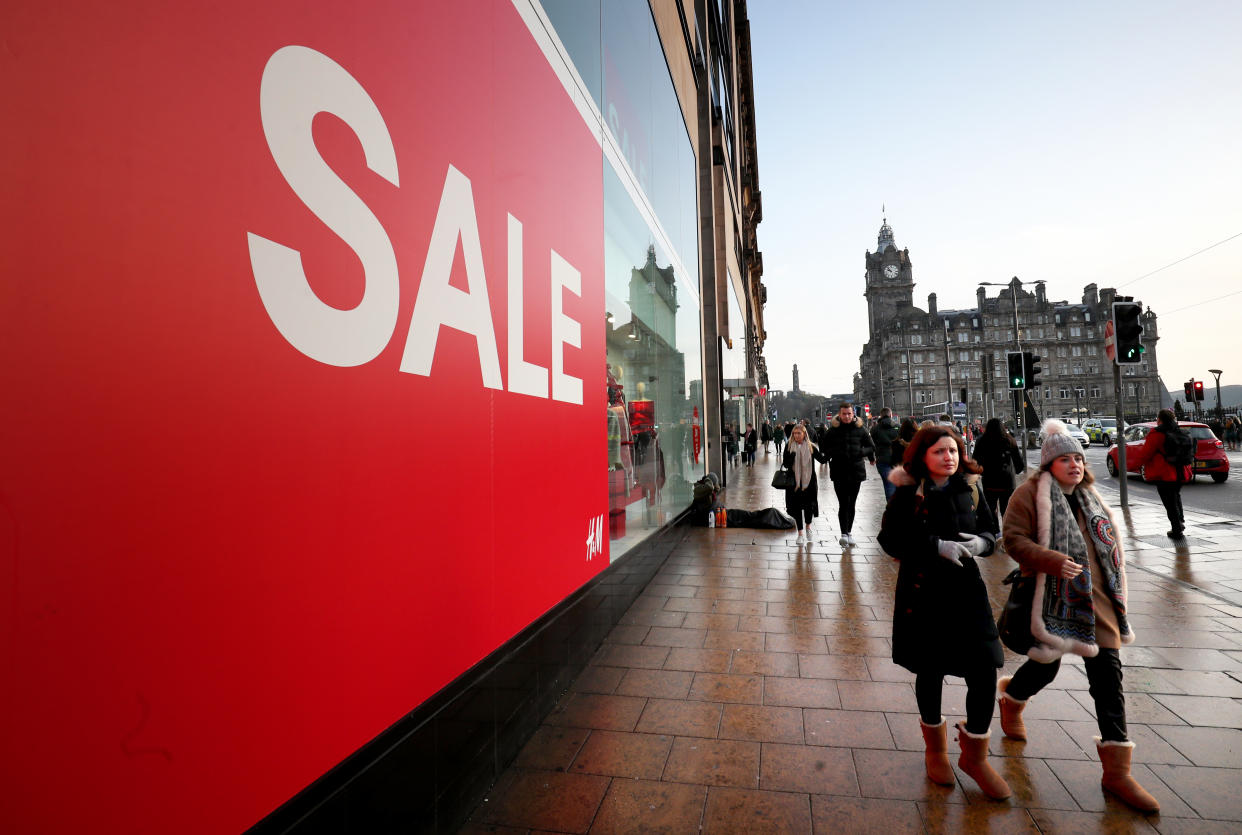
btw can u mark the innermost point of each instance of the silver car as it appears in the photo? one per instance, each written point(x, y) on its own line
point(1074, 431)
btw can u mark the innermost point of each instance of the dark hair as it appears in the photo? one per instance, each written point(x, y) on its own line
point(995, 434)
point(908, 428)
point(1166, 419)
point(844, 405)
point(928, 437)
point(886, 412)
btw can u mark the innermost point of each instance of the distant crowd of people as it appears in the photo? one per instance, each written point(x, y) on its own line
point(950, 493)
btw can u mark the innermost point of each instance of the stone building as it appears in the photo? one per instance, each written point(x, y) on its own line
point(917, 360)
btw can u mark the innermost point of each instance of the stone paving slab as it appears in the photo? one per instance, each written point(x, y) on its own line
point(750, 689)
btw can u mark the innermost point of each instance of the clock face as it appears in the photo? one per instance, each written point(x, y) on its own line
point(890, 271)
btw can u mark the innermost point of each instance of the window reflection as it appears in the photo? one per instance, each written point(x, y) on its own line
point(653, 362)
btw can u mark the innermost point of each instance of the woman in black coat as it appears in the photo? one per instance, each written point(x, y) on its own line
point(998, 454)
point(936, 525)
point(802, 500)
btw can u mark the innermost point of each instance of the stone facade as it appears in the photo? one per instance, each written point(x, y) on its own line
point(903, 363)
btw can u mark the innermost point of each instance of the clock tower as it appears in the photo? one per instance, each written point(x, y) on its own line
point(890, 283)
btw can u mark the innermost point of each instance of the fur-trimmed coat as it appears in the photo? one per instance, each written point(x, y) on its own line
point(942, 621)
point(849, 447)
point(1028, 521)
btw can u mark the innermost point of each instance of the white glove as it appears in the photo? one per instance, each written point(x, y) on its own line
point(953, 551)
point(976, 545)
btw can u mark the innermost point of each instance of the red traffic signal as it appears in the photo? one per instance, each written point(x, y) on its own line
point(1198, 389)
point(1189, 388)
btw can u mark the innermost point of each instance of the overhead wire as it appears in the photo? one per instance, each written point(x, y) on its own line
point(1180, 260)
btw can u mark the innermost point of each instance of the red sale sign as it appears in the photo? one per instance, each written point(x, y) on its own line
point(304, 369)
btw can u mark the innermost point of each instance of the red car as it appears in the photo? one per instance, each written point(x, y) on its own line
point(1210, 458)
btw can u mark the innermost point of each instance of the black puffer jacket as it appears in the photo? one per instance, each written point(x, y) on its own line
point(1001, 461)
point(882, 435)
point(942, 620)
point(849, 447)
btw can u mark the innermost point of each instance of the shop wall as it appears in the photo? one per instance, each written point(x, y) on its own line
point(305, 380)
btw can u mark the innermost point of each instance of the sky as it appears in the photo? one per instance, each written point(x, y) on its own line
point(1073, 143)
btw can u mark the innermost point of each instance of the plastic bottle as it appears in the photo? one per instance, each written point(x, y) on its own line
point(711, 519)
point(724, 518)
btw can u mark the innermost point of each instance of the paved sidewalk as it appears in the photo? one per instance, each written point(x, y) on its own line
point(750, 689)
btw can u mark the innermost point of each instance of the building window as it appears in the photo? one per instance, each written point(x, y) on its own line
point(916, 339)
point(1078, 369)
point(1093, 351)
point(1095, 392)
point(1076, 350)
point(903, 359)
point(1047, 392)
point(918, 378)
point(1129, 389)
point(1065, 393)
point(963, 356)
point(1076, 330)
point(963, 336)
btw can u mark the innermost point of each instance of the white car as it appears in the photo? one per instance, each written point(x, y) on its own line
point(1075, 432)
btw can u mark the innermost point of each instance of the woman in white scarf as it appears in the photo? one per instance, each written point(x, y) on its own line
point(802, 500)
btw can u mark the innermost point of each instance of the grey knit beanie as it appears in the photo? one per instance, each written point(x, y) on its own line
point(1057, 442)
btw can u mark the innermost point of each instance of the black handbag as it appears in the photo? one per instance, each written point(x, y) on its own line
point(782, 480)
point(1014, 623)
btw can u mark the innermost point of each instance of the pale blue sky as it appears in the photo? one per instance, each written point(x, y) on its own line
point(1070, 142)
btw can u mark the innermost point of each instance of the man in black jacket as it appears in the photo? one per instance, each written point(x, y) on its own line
point(882, 435)
point(849, 447)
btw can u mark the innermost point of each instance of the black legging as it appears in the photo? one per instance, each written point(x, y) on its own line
point(847, 495)
point(980, 696)
point(802, 507)
point(1103, 681)
point(998, 500)
point(1171, 494)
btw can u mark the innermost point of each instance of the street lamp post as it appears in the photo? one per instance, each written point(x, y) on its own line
point(948, 369)
point(1078, 392)
point(1216, 372)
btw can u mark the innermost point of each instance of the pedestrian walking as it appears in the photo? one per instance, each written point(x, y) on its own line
point(883, 434)
point(904, 436)
point(849, 447)
point(936, 525)
point(749, 445)
point(778, 437)
point(1167, 457)
point(730, 444)
point(997, 452)
point(765, 435)
point(1060, 531)
point(802, 499)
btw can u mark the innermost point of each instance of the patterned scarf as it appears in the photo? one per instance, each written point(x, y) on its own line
point(1063, 616)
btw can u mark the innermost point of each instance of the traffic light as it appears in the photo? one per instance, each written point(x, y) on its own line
point(1199, 390)
point(1127, 331)
point(1031, 371)
point(1189, 388)
point(1017, 371)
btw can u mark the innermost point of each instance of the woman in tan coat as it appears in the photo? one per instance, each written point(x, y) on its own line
point(1059, 529)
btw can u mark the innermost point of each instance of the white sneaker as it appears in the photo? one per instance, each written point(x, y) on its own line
point(843, 541)
point(801, 539)
point(849, 539)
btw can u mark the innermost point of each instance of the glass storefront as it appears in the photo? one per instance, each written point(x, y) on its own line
point(654, 353)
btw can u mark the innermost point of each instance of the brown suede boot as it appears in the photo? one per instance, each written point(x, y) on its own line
point(974, 761)
point(1115, 757)
point(1010, 711)
point(936, 740)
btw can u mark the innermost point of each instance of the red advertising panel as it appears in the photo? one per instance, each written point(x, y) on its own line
point(303, 369)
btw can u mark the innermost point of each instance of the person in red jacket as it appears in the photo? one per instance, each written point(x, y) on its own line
point(1168, 478)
